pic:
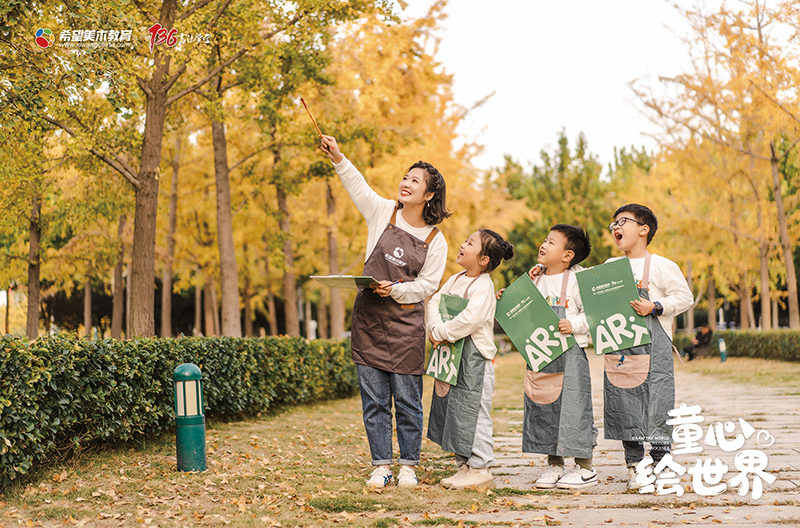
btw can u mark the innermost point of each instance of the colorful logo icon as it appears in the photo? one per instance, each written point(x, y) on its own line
point(44, 38)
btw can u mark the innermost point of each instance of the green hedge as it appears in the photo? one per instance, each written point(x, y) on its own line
point(782, 345)
point(61, 393)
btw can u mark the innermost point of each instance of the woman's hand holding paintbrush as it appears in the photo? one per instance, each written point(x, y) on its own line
point(331, 149)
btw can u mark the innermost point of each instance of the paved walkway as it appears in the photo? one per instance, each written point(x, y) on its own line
point(610, 504)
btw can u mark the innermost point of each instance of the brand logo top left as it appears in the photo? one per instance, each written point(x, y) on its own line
point(44, 38)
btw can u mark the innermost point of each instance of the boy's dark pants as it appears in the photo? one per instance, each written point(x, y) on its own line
point(634, 452)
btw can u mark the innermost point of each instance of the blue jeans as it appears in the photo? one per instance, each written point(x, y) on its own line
point(378, 388)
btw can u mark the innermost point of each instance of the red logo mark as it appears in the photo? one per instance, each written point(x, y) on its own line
point(159, 35)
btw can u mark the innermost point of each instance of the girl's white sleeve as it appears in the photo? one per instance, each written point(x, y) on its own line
point(677, 295)
point(429, 276)
point(368, 202)
point(434, 317)
point(479, 309)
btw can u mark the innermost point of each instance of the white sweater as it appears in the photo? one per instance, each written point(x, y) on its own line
point(667, 286)
point(377, 212)
point(476, 320)
point(550, 288)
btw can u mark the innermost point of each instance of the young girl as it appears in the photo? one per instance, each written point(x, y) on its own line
point(406, 254)
point(459, 420)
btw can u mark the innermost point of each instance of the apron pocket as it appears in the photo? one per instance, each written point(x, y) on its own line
point(629, 373)
point(543, 388)
point(441, 388)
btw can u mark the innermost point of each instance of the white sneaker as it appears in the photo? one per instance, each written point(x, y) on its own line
point(407, 478)
point(578, 478)
point(550, 478)
point(447, 482)
point(474, 478)
point(632, 484)
point(380, 478)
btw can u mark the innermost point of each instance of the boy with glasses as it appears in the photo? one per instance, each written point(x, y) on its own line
point(639, 382)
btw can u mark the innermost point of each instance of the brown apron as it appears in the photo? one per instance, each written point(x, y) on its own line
point(384, 334)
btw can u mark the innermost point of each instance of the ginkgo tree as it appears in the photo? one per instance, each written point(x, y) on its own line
point(50, 85)
point(740, 96)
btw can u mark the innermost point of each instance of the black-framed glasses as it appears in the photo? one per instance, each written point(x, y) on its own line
point(621, 222)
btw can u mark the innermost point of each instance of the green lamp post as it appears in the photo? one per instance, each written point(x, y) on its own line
point(190, 422)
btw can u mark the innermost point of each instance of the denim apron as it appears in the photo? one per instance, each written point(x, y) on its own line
point(558, 401)
point(454, 408)
point(639, 384)
point(387, 335)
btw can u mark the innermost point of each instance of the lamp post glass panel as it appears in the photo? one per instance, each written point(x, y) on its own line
point(190, 422)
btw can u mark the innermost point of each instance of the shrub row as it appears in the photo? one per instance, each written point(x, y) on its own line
point(782, 345)
point(61, 393)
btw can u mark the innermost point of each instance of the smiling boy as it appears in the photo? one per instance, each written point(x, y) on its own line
point(558, 419)
point(639, 382)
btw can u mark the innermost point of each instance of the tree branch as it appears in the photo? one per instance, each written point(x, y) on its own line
point(199, 5)
point(229, 86)
point(143, 85)
point(780, 105)
point(119, 167)
point(117, 164)
point(147, 15)
point(221, 10)
point(224, 65)
point(248, 157)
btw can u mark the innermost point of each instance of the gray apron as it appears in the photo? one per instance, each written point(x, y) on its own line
point(454, 408)
point(385, 334)
point(558, 401)
point(639, 384)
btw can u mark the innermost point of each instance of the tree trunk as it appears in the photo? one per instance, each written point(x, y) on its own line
point(208, 309)
point(215, 307)
point(766, 319)
point(33, 270)
point(690, 311)
point(87, 309)
point(337, 303)
point(248, 296)
point(712, 302)
point(128, 302)
point(775, 322)
point(229, 281)
point(8, 309)
point(272, 314)
point(786, 243)
point(166, 282)
point(289, 281)
point(744, 299)
point(310, 330)
point(119, 288)
point(198, 307)
point(144, 225)
point(322, 315)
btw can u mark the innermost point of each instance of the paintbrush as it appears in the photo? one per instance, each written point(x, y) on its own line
point(312, 117)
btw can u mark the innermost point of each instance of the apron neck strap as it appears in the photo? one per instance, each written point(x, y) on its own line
point(646, 273)
point(463, 274)
point(562, 300)
point(431, 235)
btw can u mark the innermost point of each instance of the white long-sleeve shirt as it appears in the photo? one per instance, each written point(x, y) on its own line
point(476, 320)
point(377, 212)
point(667, 286)
point(550, 288)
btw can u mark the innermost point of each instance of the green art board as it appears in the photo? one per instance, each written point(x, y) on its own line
point(607, 291)
point(531, 324)
point(445, 358)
